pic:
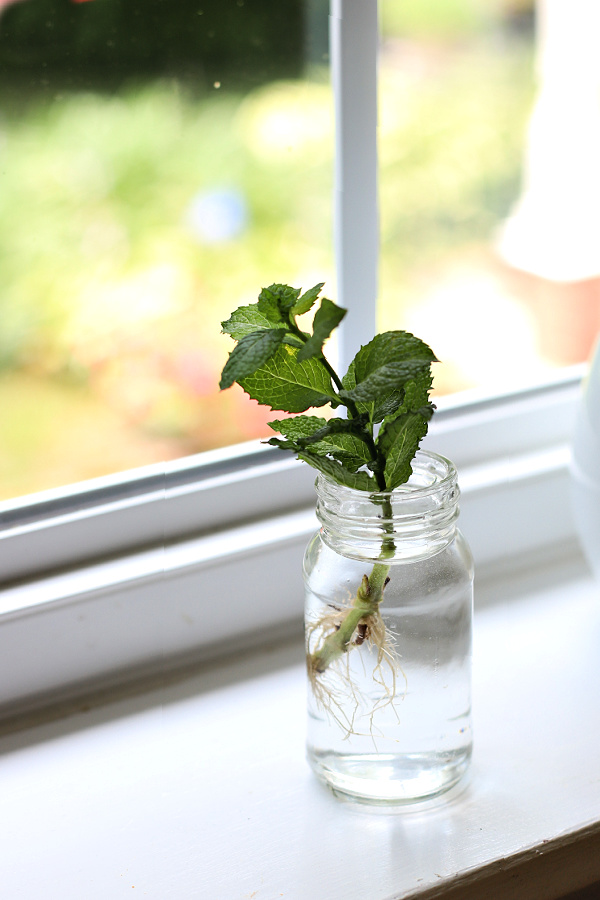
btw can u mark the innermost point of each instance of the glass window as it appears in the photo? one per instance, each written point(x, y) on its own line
point(489, 185)
point(160, 163)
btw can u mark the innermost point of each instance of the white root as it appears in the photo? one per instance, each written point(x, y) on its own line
point(334, 689)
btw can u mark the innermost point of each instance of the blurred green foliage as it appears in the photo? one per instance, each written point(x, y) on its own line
point(434, 18)
point(453, 20)
point(450, 156)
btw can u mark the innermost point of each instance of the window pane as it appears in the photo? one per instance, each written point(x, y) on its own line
point(489, 184)
point(160, 163)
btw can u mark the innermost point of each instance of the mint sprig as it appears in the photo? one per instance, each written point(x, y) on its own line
point(386, 396)
point(385, 391)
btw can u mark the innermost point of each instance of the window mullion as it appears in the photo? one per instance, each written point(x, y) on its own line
point(354, 37)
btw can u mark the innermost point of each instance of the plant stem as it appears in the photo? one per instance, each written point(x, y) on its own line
point(366, 604)
point(378, 462)
point(330, 370)
point(370, 593)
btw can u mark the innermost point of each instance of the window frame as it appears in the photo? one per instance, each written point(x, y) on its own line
point(219, 585)
point(215, 491)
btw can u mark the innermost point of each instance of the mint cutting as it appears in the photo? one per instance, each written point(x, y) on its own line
point(385, 395)
point(385, 391)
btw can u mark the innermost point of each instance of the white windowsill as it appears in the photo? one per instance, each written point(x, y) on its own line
point(200, 789)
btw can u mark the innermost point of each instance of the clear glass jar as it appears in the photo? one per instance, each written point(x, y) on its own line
point(389, 599)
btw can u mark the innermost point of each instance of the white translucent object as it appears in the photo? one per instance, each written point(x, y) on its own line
point(585, 467)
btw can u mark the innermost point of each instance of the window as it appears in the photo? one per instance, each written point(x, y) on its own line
point(489, 137)
point(118, 234)
point(125, 573)
point(160, 162)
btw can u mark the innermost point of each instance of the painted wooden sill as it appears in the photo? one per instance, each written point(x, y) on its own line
point(199, 788)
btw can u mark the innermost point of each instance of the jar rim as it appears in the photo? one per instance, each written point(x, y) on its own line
point(447, 476)
point(420, 514)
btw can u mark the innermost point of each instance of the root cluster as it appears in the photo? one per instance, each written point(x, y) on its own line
point(333, 687)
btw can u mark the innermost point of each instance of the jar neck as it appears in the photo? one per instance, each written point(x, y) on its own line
point(416, 520)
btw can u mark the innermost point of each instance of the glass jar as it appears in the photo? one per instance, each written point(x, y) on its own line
point(389, 599)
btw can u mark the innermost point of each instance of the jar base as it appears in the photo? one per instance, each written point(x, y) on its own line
point(390, 778)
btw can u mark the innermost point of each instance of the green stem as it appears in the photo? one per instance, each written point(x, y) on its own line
point(370, 593)
point(365, 604)
point(378, 469)
point(351, 406)
point(378, 460)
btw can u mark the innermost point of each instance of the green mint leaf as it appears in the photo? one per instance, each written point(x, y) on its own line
point(340, 448)
point(417, 390)
point(390, 347)
point(415, 397)
point(386, 405)
point(311, 429)
point(399, 440)
point(307, 300)
point(299, 427)
point(360, 481)
point(388, 382)
point(252, 351)
point(327, 317)
point(268, 306)
point(278, 300)
point(286, 296)
point(383, 381)
point(343, 439)
point(377, 376)
point(286, 384)
point(293, 341)
point(284, 445)
point(383, 405)
point(349, 449)
point(245, 320)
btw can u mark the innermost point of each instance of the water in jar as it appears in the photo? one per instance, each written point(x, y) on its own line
point(395, 729)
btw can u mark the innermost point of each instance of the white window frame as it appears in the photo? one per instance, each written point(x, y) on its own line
point(228, 573)
point(154, 569)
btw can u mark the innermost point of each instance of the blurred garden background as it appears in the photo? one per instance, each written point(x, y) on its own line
point(160, 162)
